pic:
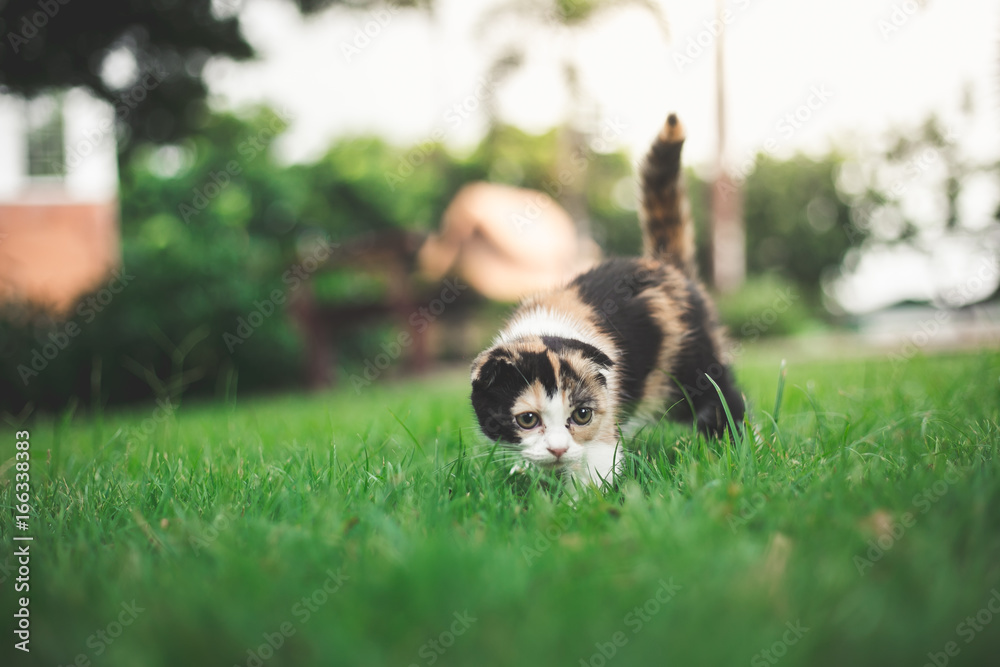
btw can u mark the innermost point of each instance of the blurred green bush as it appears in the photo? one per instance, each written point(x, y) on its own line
point(765, 305)
point(212, 228)
point(797, 224)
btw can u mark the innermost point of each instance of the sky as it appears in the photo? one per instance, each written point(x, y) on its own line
point(800, 76)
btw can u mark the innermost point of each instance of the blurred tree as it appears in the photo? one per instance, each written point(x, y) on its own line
point(145, 57)
point(911, 155)
point(560, 22)
point(798, 230)
point(212, 225)
point(911, 193)
point(212, 228)
point(509, 155)
point(796, 222)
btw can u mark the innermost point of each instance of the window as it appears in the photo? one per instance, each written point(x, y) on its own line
point(46, 145)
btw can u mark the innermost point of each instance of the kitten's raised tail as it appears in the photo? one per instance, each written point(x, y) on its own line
point(667, 229)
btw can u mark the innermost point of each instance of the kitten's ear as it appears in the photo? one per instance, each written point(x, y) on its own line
point(486, 367)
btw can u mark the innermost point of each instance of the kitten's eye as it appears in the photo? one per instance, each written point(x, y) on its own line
point(526, 420)
point(582, 416)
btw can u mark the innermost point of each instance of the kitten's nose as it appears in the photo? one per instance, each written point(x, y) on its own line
point(557, 451)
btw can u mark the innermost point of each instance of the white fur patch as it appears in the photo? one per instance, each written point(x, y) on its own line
point(591, 462)
point(552, 433)
point(541, 321)
point(604, 461)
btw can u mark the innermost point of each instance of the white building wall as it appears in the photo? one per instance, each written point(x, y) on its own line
point(91, 155)
point(13, 148)
point(91, 165)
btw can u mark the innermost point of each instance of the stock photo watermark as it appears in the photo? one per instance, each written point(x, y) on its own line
point(635, 620)
point(125, 102)
point(302, 610)
point(711, 29)
point(32, 23)
point(748, 508)
point(579, 162)
point(161, 414)
point(432, 650)
point(251, 146)
point(378, 20)
point(63, 336)
point(863, 216)
point(456, 114)
point(967, 630)
point(787, 125)
point(265, 308)
point(929, 327)
point(102, 638)
point(419, 321)
point(760, 324)
point(629, 286)
point(891, 531)
point(223, 522)
point(779, 649)
point(899, 15)
point(544, 541)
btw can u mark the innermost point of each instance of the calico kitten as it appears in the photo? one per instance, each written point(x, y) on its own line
point(626, 343)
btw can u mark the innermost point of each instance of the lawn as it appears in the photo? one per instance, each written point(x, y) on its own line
point(857, 525)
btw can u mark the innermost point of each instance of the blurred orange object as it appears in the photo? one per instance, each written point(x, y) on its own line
point(507, 242)
point(52, 253)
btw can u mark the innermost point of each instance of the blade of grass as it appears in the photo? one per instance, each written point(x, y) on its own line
point(782, 374)
point(408, 432)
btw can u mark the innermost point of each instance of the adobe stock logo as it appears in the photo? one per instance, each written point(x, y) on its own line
point(31, 24)
point(901, 14)
point(303, 610)
point(419, 320)
point(711, 29)
point(103, 638)
point(253, 144)
point(293, 278)
point(968, 630)
point(635, 620)
point(778, 650)
point(379, 20)
point(58, 341)
point(433, 649)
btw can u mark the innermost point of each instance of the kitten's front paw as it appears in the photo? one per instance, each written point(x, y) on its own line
point(518, 469)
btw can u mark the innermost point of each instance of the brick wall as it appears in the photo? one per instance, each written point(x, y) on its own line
point(52, 253)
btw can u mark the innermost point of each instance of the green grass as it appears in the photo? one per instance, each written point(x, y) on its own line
point(224, 518)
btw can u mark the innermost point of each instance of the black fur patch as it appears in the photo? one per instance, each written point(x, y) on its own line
point(500, 381)
point(579, 396)
point(538, 366)
point(557, 345)
point(493, 395)
point(568, 376)
point(578, 391)
point(662, 166)
point(615, 291)
point(696, 360)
